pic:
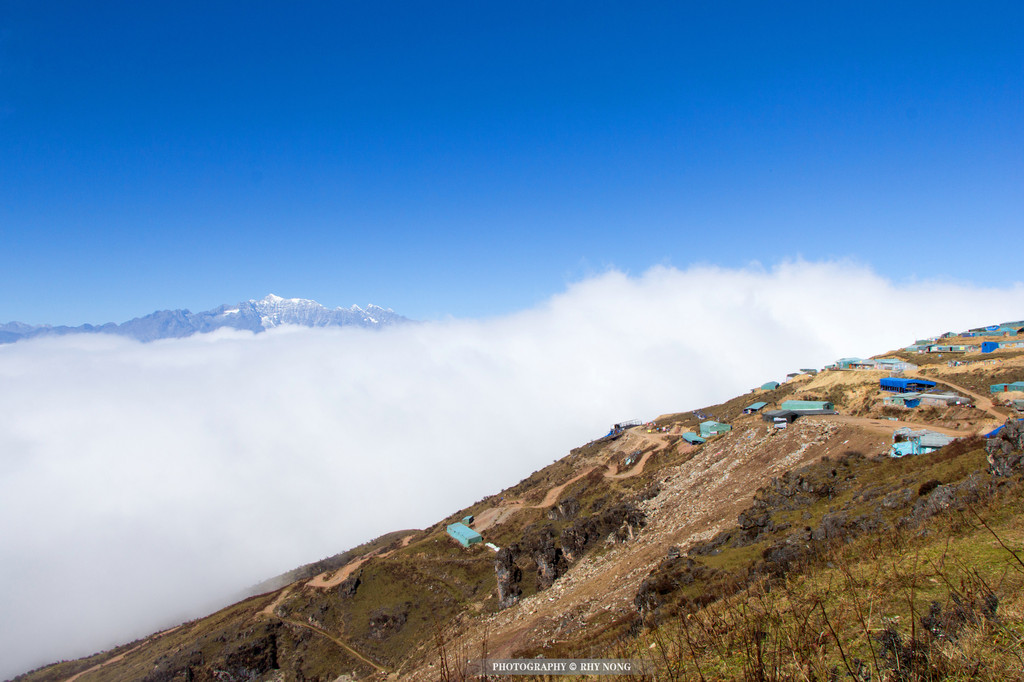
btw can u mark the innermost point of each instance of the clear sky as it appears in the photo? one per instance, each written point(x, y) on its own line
point(472, 158)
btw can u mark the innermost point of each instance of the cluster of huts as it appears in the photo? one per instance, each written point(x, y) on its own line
point(788, 411)
point(880, 364)
point(1006, 329)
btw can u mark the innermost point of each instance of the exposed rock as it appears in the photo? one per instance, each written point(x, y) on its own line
point(1006, 450)
point(564, 510)
point(385, 622)
point(509, 577)
point(348, 587)
point(619, 523)
point(551, 564)
point(899, 498)
point(669, 576)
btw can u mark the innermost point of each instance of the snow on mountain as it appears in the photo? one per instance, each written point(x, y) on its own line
point(254, 315)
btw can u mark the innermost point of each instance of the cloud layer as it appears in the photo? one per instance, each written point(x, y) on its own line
point(143, 484)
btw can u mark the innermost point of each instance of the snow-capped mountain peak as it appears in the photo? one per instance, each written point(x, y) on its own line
point(254, 315)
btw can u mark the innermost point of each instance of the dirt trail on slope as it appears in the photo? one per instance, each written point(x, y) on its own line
point(336, 640)
point(888, 426)
point(120, 657)
point(495, 515)
point(613, 469)
point(269, 611)
point(552, 496)
point(660, 442)
point(982, 402)
point(339, 576)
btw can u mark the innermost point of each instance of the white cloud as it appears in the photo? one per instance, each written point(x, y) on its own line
point(141, 484)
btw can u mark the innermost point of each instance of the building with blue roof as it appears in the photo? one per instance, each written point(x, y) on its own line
point(692, 438)
point(754, 407)
point(903, 399)
point(900, 385)
point(769, 386)
point(906, 441)
point(465, 535)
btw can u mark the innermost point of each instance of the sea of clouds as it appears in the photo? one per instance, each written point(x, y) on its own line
point(144, 484)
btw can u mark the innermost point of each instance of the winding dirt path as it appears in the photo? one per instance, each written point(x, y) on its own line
point(553, 493)
point(120, 656)
point(613, 469)
point(887, 426)
point(341, 643)
point(981, 402)
point(339, 576)
point(269, 612)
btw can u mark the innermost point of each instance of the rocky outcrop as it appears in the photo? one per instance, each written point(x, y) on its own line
point(551, 564)
point(509, 577)
point(619, 523)
point(671, 575)
point(1006, 450)
point(565, 510)
point(350, 585)
point(385, 622)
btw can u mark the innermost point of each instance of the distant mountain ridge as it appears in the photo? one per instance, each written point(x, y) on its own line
point(255, 316)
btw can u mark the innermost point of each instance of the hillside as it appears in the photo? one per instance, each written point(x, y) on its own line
point(802, 552)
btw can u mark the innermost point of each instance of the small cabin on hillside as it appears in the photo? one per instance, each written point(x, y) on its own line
point(465, 535)
point(903, 399)
point(754, 407)
point(898, 385)
point(780, 416)
point(692, 438)
point(808, 406)
point(943, 399)
point(1005, 388)
point(713, 428)
point(769, 386)
point(906, 441)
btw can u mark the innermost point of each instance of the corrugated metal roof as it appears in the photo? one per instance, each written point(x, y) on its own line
point(755, 406)
point(464, 534)
point(800, 405)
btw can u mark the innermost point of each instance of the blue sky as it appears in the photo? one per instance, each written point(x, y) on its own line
point(471, 159)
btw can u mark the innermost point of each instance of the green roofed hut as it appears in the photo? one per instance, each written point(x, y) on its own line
point(692, 438)
point(809, 406)
point(1005, 388)
point(713, 428)
point(754, 407)
point(465, 535)
point(769, 386)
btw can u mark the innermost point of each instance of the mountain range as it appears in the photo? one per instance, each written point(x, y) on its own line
point(255, 316)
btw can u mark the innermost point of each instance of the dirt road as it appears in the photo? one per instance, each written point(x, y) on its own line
point(888, 426)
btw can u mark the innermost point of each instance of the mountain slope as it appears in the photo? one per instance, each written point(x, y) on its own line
point(765, 553)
